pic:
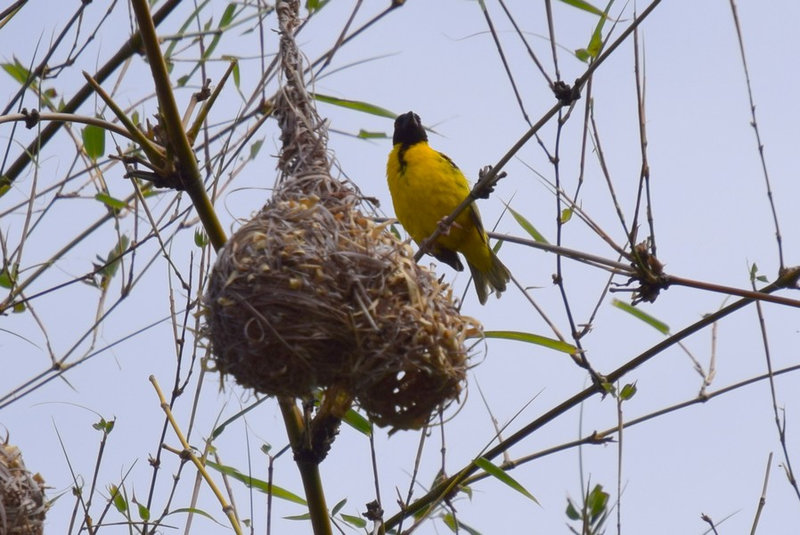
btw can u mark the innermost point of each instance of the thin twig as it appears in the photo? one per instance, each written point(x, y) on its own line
point(502, 55)
point(754, 124)
point(780, 426)
point(763, 499)
point(188, 452)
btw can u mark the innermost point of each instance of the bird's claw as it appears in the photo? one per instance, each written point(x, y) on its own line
point(487, 188)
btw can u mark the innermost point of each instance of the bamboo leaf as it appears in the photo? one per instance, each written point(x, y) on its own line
point(257, 484)
point(118, 499)
point(338, 506)
point(585, 6)
point(17, 71)
point(355, 521)
point(355, 420)
point(499, 474)
point(531, 338)
point(194, 511)
point(527, 226)
point(111, 202)
point(658, 325)
point(365, 134)
point(357, 105)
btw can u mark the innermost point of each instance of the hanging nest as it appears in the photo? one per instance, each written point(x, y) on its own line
point(22, 500)
point(312, 295)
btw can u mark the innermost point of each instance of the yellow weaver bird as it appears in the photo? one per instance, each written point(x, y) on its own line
point(426, 187)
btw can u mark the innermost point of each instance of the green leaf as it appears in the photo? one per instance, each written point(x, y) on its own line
point(105, 426)
point(355, 521)
point(596, 42)
point(225, 21)
point(94, 141)
point(111, 202)
point(364, 134)
point(255, 147)
point(572, 512)
point(194, 511)
point(227, 15)
point(450, 521)
point(17, 71)
point(144, 512)
point(595, 45)
point(110, 264)
point(315, 5)
point(585, 6)
point(531, 338)
point(358, 422)
point(118, 499)
point(5, 185)
point(658, 325)
point(566, 215)
point(753, 271)
point(8, 276)
point(338, 506)
point(395, 232)
point(498, 473)
point(200, 238)
point(597, 502)
point(628, 391)
point(583, 54)
point(356, 105)
point(257, 484)
point(470, 530)
point(527, 227)
point(221, 427)
point(304, 516)
point(237, 77)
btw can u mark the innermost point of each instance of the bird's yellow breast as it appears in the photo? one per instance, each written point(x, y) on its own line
point(426, 186)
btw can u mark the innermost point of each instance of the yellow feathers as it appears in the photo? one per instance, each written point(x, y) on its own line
point(426, 187)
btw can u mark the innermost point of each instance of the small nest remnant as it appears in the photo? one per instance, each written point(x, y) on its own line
point(22, 501)
point(312, 294)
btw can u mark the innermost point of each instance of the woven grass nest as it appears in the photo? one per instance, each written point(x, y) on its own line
point(311, 294)
point(22, 501)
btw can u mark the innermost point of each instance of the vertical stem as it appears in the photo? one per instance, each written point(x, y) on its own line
point(309, 472)
point(171, 117)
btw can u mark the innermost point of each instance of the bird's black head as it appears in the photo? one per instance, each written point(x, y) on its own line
point(408, 129)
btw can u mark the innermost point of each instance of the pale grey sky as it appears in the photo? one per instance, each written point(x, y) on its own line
point(712, 221)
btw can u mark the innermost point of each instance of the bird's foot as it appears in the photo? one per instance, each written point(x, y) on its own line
point(485, 187)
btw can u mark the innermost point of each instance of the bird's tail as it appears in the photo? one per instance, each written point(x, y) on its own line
point(495, 278)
